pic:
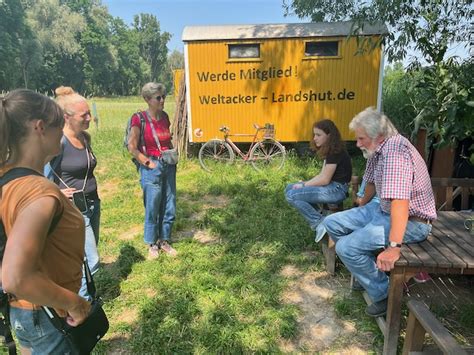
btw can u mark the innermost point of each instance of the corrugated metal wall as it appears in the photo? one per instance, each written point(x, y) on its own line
point(275, 100)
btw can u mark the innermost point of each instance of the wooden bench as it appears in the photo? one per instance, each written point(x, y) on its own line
point(421, 321)
point(327, 244)
point(453, 187)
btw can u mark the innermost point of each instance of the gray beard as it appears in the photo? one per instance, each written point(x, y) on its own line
point(367, 153)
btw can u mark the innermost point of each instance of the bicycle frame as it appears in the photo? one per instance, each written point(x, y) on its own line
point(234, 147)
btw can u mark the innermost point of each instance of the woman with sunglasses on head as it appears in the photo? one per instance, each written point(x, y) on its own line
point(73, 171)
point(42, 263)
point(331, 184)
point(157, 178)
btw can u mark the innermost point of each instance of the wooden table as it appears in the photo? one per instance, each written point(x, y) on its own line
point(448, 250)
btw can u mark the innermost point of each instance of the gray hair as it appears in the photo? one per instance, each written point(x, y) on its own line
point(374, 123)
point(151, 88)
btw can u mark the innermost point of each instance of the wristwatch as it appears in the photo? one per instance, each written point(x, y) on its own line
point(394, 245)
point(147, 163)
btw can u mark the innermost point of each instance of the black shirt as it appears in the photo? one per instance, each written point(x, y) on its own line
point(72, 168)
point(343, 171)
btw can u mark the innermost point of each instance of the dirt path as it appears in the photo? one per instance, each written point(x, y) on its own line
point(320, 330)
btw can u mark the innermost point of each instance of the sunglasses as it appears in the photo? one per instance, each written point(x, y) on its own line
point(158, 98)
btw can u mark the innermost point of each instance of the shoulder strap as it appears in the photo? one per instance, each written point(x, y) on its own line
point(51, 168)
point(16, 173)
point(153, 131)
point(142, 132)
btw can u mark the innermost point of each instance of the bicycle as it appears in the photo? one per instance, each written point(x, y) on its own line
point(265, 152)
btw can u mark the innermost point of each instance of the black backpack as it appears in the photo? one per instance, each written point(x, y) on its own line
point(9, 176)
point(141, 142)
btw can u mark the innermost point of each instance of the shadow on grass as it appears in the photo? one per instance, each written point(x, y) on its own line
point(110, 275)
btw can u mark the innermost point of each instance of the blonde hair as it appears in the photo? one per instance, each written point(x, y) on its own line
point(66, 97)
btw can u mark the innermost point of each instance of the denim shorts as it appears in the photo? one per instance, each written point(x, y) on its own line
point(35, 331)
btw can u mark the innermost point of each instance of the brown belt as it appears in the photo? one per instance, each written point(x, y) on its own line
point(419, 219)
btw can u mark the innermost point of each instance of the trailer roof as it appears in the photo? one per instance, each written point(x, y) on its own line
point(284, 30)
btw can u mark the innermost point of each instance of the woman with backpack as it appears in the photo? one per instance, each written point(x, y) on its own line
point(157, 177)
point(42, 263)
point(331, 184)
point(73, 171)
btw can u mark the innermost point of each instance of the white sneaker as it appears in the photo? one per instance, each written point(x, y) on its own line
point(320, 232)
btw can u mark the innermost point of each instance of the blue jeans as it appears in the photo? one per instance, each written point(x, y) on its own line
point(35, 331)
point(307, 199)
point(361, 231)
point(92, 223)
point(159, 198)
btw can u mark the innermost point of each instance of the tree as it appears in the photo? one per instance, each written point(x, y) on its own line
point(152, 44)
point(176, 60)
point(429, 26)
point(12, 30)
point(130, 72)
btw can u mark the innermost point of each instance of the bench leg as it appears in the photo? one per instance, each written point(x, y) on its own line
point(329, 251)
point(415, 335)
point(392, 328)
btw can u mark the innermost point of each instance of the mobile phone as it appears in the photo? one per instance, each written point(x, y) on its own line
point(80, 201)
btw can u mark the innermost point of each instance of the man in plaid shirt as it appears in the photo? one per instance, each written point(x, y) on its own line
point(396, 172)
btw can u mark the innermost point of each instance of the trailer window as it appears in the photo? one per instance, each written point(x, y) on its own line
point(322, 49)
point(244, 51)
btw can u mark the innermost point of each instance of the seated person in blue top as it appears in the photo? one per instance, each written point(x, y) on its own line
point(331, 184)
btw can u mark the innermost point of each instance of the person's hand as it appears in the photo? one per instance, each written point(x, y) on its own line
point(78, 313)
point(68, 192)
point(386, 259)
point(298, 185)
point(152, 165)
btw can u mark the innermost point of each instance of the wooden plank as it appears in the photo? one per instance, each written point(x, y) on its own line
point(426, 259)
point(454, 221)
point(445, 250)
point(414, 335)
point(392, 329)
point(463, 252)
point(411, 258)
point(439, 260)
point(464, 182)
point(438, 332)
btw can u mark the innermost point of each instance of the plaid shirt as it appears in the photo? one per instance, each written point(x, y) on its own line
point(399, 173)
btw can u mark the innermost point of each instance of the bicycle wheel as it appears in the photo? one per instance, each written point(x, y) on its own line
point(213, 153)
point(268, 154)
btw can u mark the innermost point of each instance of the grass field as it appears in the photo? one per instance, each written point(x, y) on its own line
point(223, 293)
point(234, 233)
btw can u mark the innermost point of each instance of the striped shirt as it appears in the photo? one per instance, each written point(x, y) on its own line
point(399, 173)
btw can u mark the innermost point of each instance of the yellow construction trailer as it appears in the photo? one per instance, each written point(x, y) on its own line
point(290, 75)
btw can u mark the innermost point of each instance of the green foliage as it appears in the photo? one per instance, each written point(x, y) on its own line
point(12, 30)
point(444, 101)
point(396, 98)
point(427, 26)
point(48, 43)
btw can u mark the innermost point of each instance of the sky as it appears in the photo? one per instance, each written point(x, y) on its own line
point(174, 15)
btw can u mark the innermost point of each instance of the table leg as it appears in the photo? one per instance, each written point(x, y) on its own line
point(392, 328)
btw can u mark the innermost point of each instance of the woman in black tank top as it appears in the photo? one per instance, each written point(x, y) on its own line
point(73, 171)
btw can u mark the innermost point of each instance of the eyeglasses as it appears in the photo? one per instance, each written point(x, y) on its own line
point(158, 98)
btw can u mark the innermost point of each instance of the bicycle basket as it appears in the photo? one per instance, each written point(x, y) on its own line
point(269, 130)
